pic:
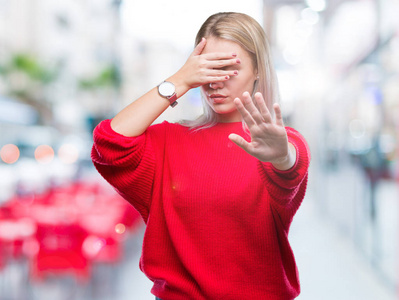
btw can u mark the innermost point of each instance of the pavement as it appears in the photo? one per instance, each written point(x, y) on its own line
point(330, 267)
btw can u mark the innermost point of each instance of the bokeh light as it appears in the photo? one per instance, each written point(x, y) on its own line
point(9, 153)
point(68, 154)
point(44, 154)
point(120, 228)
point(92, 245)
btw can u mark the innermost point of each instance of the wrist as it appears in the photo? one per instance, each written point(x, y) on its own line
point(180, 85)
point(287, 162)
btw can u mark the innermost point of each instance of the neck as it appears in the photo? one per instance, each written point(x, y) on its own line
point(229, 118)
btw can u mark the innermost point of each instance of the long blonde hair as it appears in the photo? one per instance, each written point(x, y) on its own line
point(247, 32)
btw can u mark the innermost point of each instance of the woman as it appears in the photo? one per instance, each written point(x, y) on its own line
point(217, 194)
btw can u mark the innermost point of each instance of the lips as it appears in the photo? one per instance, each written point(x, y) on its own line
point(217, 98)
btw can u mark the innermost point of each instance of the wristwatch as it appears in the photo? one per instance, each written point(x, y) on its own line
point(168, 90)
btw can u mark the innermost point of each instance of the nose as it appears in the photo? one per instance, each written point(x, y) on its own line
point(216, 85)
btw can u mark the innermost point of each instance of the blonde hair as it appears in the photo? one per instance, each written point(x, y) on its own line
point(247, 32)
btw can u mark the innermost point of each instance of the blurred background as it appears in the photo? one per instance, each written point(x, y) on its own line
point(66, 65)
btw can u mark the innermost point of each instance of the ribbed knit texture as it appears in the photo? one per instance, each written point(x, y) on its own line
point(217, 219)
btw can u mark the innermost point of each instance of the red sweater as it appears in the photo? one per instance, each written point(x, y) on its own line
point(217, 219)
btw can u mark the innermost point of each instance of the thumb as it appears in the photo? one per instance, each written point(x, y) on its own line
point(239, 141)
point(200, 47)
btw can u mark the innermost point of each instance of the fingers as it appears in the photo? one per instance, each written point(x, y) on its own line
point(224, 63)
point(217, 59)
point(212, 67)
point(219, 55)
point(200, 47)
point(216, 75)
point(220, 60)
point(259, 114)
point(248, 110)
point(220, 67)
point(264, 111)
point(279, 115)
point(246, 115)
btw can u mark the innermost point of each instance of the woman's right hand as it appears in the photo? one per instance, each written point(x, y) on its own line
point(198, 70)
point(201, 69)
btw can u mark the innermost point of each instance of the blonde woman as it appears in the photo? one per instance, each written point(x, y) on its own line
point(217, 194)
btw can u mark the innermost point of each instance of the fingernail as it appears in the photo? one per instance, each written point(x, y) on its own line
point(227, 77)
point(235, 72)
point(238, 61)
point(234, 54)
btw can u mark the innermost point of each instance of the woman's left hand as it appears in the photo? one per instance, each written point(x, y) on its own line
point(269, 142)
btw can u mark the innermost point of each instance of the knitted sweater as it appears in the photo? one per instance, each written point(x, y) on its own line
point(217, 219)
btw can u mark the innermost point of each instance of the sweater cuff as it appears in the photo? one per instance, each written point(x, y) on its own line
point(288, 171)
point(292, 177)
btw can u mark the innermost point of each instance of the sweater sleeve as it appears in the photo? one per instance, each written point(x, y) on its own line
point(127, 163)
point(287, 188)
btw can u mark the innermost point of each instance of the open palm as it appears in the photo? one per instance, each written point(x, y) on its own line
point(269, 142)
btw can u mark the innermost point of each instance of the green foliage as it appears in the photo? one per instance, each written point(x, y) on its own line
point(29, 65)
point(108, 77)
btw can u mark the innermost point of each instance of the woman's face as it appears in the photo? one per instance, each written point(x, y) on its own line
point(220, 95)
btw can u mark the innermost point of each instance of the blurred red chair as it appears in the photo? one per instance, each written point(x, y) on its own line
point(60, 252)
point(104, 244)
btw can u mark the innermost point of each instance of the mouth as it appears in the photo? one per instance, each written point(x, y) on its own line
point(217, 98)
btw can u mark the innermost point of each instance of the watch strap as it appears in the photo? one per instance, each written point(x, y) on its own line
point(173, 100)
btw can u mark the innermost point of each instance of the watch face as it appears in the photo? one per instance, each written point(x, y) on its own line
point(166, 89)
